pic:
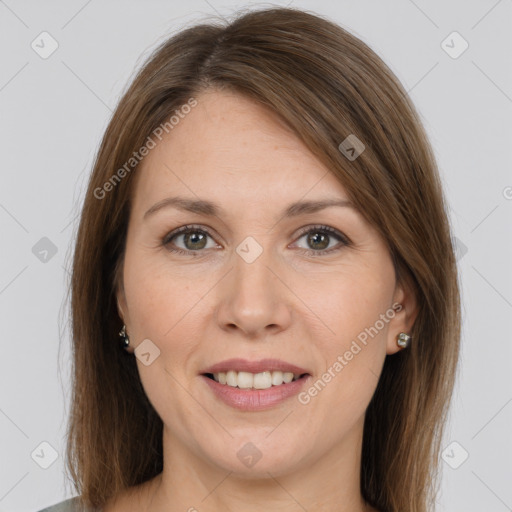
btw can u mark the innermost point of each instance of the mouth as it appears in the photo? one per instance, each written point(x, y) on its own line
point(248, 380)
point(255, 385)
point(262, 374)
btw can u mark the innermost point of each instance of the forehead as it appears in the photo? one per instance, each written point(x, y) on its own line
point(234, 149)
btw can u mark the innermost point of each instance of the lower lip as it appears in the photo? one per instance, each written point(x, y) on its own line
point(255, 399)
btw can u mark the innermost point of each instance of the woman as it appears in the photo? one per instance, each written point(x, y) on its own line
point(265, 228)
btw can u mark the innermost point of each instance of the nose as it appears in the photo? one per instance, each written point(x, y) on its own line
point(254, 299)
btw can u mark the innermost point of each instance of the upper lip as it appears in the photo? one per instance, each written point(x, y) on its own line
point(261, 365)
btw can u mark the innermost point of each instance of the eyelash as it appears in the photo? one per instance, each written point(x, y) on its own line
point(317, 229)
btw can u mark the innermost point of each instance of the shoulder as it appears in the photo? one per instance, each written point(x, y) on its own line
point(131, 499)
point(69, 505)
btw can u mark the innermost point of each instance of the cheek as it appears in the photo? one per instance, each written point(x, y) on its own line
point(351, 300)
point(160, 303)
point(354, 305)
point(158, 297)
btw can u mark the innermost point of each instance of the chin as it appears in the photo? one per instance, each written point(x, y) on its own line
point(257, 458)
point(263, 469)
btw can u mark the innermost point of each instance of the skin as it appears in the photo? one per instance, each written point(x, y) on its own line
point(288, 304)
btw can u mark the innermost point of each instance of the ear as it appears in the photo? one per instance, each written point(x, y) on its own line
point(406, 309)
point(122, 307)
point(121, 304)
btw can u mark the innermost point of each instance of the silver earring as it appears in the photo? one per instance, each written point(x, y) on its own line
point(403, 340)
point(125, 340)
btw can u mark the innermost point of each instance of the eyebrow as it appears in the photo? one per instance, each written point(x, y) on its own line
point(210, 209)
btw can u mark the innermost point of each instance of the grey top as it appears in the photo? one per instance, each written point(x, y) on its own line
point(69, 505)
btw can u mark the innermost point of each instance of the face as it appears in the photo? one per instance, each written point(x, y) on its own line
point(311, 288)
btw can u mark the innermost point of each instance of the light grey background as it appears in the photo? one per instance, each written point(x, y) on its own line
point(54, 112)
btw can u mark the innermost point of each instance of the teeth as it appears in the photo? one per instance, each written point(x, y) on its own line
point(231, 379)
point(262, 380)
point(247, 380)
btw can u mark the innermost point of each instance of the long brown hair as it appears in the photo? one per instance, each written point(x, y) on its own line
point(326, 84)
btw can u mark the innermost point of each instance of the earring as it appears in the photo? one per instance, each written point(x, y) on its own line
point(403, 340)
point(125, 340)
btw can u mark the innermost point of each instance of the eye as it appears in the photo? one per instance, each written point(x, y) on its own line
point(320, 237)
point(194, 239)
